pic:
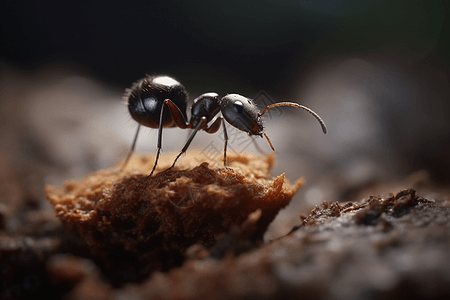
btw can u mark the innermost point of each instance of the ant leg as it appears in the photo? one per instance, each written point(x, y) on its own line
point(214, 126)
point(179, 120)
point(131, 151)
point(188, 143)
point(225, 135)
point(158, 151)
point(176, 114)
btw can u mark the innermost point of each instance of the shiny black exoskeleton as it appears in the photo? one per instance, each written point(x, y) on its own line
point(160, 101)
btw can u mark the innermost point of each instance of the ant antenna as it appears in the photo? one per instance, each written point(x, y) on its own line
point(322, 123)
point(270, 143)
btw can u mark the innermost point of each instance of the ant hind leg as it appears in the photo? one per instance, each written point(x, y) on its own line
point(159, 145)
point(133, 146)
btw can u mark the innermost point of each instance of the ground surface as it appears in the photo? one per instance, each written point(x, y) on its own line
point(380, 247)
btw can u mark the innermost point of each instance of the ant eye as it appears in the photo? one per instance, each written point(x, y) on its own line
point(238, 106)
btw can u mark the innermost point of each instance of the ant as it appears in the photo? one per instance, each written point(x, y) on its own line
point(160, 101)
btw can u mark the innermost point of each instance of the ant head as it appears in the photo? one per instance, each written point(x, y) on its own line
point(242, 113)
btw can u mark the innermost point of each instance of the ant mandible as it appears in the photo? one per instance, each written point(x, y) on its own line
point(160, 101)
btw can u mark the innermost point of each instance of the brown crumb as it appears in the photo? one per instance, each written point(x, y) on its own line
point(135, 225)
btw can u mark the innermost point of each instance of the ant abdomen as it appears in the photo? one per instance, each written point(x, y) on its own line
point(146, 98)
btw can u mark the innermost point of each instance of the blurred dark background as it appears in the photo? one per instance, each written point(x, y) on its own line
point(376, 71)
point(257, 44)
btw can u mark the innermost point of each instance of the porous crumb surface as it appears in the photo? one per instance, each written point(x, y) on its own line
point(382, 247)
point(132, 221)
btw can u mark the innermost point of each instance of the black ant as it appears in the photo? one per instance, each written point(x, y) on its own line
point(160, 101)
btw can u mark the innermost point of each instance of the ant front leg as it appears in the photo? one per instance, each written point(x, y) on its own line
point(225, 135)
